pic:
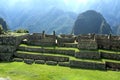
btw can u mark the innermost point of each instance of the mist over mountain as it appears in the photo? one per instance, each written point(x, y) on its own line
point(59, 15)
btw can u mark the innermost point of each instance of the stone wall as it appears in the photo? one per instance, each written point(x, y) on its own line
point(115, 43)
point(41, 39)
point(103, 41)
point(87, 42)
point(113, 56)
point(8, 45)
point(7, 49)
point(41, 57)
point(72, 45)
point(42, 50)
point(10, 40)
point(6, 56)
point(62, 39)
point(88, 55)
point(87, 45)
point(87, 65)
point(92, 41)
point(112, 65)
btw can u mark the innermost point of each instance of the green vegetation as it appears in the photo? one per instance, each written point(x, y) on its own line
point(16, 34)
point(58, 48)
point(116, 61)
point(61, 55)
point(29, 46)
point(21, 31)
point(22, 71)
point(109, 51)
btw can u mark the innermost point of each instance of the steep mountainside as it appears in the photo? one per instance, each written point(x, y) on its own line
point(33, 14)
point(54, 19)
point(91, 22)
point(3, 23)
point(58, 20)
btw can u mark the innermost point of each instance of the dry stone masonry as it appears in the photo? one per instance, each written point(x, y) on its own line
point(46, 50)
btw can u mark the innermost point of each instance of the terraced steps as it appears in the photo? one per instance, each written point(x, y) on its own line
point(55, 47)
point(112, 64)
point(40, 56)
point(69, 57)
point(61, 60)
point(59, 55)
point(109, 51)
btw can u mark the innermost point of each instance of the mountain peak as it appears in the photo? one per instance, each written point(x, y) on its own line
point(91, 22)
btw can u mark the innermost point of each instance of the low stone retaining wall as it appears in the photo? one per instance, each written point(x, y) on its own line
point(7, 49)
point(6, 56)
point(11, 40)
point(42, 50)
point(51, 63)
point(8, 45)
point(28, 61)
point(39, 43)
point(17, 59)
point(30, 49)
point(66, 64)
point(39, 62)
point(113, 56)
point(42, 57)
point(112, 65)
point(88, 55)
point(72, 45)
point(87, 65)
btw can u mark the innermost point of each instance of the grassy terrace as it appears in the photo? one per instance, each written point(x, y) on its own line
point(115, 61)
point(16, 34)
point(59, 48)
point(66, 48)
point(22, 71)
point(108, 51)
point(51, 54)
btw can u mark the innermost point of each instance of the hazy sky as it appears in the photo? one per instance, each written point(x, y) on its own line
point(68, 5)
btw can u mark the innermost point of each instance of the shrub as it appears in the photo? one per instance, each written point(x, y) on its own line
point(21, 31)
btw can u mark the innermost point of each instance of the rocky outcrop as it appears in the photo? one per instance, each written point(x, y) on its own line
point(4, 24)
point(91, 22)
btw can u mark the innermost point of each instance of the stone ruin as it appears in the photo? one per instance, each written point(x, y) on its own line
point(41, 39)
point(87, 44)
point(66, 40)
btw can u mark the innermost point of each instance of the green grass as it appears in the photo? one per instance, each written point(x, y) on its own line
point(109, 60)
point(70, 57)
point(22, 71)
point(108, 51)
point(16, 34)
point(58, 48)
point(24, 45)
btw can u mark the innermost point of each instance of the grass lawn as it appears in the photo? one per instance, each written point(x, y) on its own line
point(22, 71)
point(70, 57)
point(109, 51)
point(57, 48)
